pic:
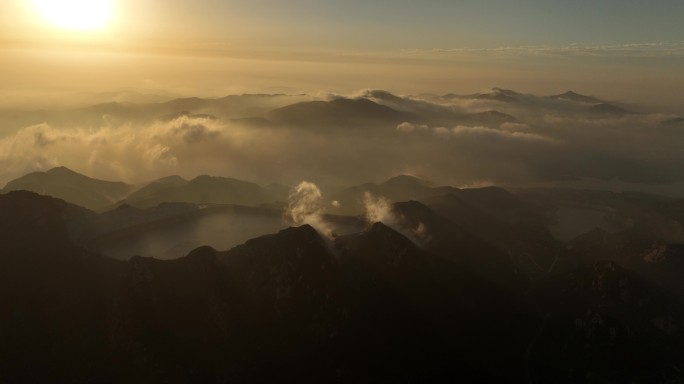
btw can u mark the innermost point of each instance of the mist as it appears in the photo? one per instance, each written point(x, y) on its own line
point(337, 139)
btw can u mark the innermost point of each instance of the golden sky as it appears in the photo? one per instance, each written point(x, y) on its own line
point(619, 50)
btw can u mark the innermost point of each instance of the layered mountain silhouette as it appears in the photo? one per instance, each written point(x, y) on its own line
point(370, 108)
point(284, 306)
point(398, 188)
point(71, 186)
point(496, 94)
point(576, 97)
point(462, 284)
point(340, 111)
point(494, 219)
point(203, 190)
point(217, 279)
point(100, 195)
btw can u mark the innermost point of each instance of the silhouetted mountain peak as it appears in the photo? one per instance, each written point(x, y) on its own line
point(415, 211)
point(378, 242)
point(575, 97)
point(64, 183)
point(68, 174)
point(488, 118)
point(380, 229)
point(497, 94)
point(505, 91)
point(381, 95)
point(495, 114)
point(337, 111)
point(291, 238)
point(61, 171)
point(206, 181)
point(362, 103)
point(303, 232)
point(203, 189)
point(173, 179)
point(406, 181)
point(204, 253)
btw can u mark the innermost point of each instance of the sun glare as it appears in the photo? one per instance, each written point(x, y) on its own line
point(76, 15)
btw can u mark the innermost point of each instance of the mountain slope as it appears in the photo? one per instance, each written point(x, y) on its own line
point(575, 97)
point(54, 296)
point(338, 112)
point(71, 186)
point(203, 190)
point(370, 306)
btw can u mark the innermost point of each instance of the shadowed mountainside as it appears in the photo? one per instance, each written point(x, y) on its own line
point(73, 187)
point(203, 190)
point(368, 306)
point(279, 306)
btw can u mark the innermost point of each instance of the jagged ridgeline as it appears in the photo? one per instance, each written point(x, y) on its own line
point(408, 281)
point(323, 192)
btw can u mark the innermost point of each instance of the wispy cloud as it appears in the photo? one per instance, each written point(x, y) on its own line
point(545, 139)
point(651, 49)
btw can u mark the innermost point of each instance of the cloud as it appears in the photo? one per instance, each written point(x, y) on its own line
point(519, 127)
point(43, 136)
point(550, 139)
point(495, 134)
point(305, 207)
point(484, 133)
point(378, 210)
point(410, 127)
point(193, 130)
point(122, 152)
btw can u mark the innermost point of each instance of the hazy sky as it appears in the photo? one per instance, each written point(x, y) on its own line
point(395, 24)
point(630, 50)
point(56, 52)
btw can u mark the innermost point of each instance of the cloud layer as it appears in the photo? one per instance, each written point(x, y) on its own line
point(451, 139)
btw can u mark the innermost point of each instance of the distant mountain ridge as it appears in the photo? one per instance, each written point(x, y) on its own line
point(71, 186)
point(283, 301)
point(98, 195)
point(446, 292)
point(576, 97)
point(204, 189)
point(338, 111)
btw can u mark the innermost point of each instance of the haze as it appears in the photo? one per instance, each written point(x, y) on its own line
point(63, 61)
point(241, 191)
point(628, 51)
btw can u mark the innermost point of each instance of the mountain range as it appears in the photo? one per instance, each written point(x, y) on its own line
point(480, 284)
point(358, 276)
point(71, 186)
point(370, 108)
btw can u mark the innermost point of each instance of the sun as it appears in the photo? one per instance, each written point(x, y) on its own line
point(75, 15)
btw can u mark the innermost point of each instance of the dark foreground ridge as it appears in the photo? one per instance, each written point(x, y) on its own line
point(295, 307)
